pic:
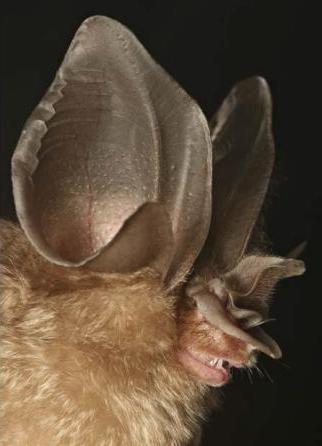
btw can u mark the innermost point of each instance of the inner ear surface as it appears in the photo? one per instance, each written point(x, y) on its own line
point(140, 243)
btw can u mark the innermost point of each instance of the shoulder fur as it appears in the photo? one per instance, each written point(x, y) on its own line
point(87, 358)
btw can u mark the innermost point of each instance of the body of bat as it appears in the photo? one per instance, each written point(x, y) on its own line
point(129, 287)
point(88, 358)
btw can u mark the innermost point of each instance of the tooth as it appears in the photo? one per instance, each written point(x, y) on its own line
point(220, 362)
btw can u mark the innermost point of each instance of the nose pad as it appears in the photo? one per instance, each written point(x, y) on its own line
point(218, 315)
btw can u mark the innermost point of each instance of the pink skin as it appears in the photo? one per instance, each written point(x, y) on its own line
point(201, 342)
point(214, 376)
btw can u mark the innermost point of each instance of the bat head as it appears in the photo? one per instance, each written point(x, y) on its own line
point(117, 170)
point(220, 326)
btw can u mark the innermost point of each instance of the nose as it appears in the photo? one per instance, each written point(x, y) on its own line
point(218, 316)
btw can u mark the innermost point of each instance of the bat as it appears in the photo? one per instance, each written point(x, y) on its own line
point(131, 285)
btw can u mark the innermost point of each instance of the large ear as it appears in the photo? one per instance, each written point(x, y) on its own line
point(243, 156)
point(113, 133)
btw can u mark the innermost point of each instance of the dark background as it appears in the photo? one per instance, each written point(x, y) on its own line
point(207, 46)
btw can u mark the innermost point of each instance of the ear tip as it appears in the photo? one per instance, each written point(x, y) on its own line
point(97, 20)
point(276, 355)
point(258, 82)
point(256, 86)
point(95, 32)
point(96, 25)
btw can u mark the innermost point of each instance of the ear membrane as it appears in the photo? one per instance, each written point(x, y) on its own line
point(152, 244)
point(243, 155)
point(113, 133)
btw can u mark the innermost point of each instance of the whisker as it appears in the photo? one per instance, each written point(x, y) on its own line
point(249, 376)
point(265, 321)
point(268, 375)
point(259, 371)
point(279, 361)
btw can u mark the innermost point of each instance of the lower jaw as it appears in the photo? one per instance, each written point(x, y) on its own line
point(212, 376)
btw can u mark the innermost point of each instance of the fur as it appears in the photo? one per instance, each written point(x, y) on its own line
point(88, 358)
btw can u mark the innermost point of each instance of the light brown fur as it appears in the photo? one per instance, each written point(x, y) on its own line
point(87, 358)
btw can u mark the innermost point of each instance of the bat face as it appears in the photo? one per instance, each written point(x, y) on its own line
point(219, 323)
point(208, 353)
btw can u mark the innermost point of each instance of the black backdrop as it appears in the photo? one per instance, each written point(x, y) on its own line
point(207, 46)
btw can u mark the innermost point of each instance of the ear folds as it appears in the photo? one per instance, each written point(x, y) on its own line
point(113, 133)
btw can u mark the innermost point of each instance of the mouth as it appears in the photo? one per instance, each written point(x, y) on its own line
point(213, 371)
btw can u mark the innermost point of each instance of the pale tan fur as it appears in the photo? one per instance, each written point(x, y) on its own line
point(87, 358)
